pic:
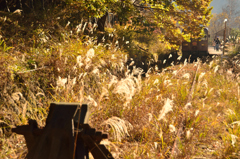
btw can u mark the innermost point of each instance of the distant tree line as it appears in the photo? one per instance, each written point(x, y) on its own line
point(231, 12)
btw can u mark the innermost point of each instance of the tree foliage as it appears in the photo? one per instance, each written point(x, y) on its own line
point(174, 16)
point(230, 12)
point(169, 17)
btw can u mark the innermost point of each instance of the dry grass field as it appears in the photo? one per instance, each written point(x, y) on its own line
point(185, 110)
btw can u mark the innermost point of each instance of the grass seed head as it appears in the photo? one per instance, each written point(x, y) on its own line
point(119, 126)
point(216, 68)
point(90, 53)
point(172, 128)
point(166, 108)
point(61, 82)
point(234, 139)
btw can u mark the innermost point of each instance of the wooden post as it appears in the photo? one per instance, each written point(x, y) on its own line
point(224, 39)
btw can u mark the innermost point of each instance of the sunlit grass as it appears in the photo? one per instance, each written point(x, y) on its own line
point(141, 114)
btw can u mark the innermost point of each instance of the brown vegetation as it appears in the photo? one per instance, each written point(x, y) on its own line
point(141, 114)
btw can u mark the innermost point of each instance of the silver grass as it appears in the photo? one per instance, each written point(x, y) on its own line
point(90, 53)
point(91, 101)
point(88, 63)
point(67, 24)
point(95, 71)
point(148, 72)
point(203, 105)
point(83, 29)
point(95, 26)
point(211, 89)
point(126, 87)
point(78, 27)
point(113, 81)
point(234, 139)
point(175, 72)
point(103, 63)
point(155, 56)
point(103, 39)
point(229, 71)
point(136, 71)
point(71, 82)
point(160, 133)
point(126, 58)
point(65, 60)
point(179, 57)
point(186, 75)
point(164, 61)
point(201, 76)
point(60, 53)
point(188, 105)
point(216, 68)
point(82, 75)
point(130, 85)
point(104, 93)
point(150, 116)
point(17, 96)
point(236, 122)
point(185, 62)
point(167, 82)
point(132, 63)
point(156, 81)
point(41, 94)
point(188, 134)
point(157, 97)
point(172, 128)
point(113, 56)
point(61, 82)
point(121, 66)
point(119, 126)
point(155, 145)
point(166, 108)
point(230, 112)
point(205, 83)
point(196, 113)
point(115, 153)
point(211, 63)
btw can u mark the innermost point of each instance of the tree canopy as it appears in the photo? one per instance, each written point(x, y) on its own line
point(174, 16)
point(170, 16)
point(230, 12)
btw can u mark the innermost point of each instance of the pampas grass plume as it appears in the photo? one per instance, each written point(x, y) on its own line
point(166, 108)
point(119, 126)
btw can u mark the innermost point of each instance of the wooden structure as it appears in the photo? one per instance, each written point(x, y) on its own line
point(196, 47)
point(66, 135)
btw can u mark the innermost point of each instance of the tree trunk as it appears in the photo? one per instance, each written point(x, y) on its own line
point(101, 23)
point(101, 27)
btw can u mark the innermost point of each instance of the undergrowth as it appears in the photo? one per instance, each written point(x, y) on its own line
point(142, 114)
